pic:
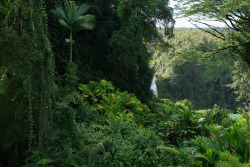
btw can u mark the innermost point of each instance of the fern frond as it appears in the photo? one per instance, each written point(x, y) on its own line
point(170, 150)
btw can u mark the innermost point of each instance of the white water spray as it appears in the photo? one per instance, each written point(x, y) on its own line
point(154, 86)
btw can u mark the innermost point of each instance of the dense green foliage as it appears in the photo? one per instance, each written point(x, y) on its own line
point(98, 110)
point(189, 76)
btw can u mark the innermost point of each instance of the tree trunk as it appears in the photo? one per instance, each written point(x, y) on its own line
point(71, 46)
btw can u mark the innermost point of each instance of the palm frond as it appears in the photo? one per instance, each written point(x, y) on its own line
point(82, 9)
point(86, 18)
point(64, 24)
point(73, 9)
point(71, 16)
point(87, 26)
point(59, 12)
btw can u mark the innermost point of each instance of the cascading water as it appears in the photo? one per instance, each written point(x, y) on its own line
point(154, 87)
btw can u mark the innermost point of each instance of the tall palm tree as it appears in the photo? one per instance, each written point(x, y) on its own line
point(72, 17)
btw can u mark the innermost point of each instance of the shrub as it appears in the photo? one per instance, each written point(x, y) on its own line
point(120, 143)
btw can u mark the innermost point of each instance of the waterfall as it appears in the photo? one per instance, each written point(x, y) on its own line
point(154, 87)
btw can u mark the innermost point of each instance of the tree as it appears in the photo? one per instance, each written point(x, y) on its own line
point(72, 17)
point(234, 14)
point(241, 83)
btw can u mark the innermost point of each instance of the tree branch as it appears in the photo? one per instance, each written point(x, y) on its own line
point(213, 28)
point(208, 31)
point(241, 17)
point(215, 51)
point(231, 21)
point(227, 24)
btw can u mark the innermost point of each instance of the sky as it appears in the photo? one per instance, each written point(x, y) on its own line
point(182, 22)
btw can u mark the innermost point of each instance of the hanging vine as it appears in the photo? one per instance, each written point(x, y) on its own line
point(41, 77)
